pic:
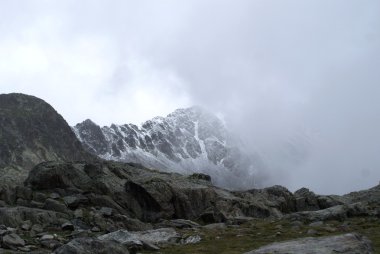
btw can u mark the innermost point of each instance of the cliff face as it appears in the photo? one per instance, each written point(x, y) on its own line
point(31, 131)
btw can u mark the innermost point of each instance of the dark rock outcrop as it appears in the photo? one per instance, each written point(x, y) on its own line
point(31, 131)
point(150, 195)
point(307, 200)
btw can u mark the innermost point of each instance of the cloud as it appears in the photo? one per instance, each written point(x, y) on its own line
point(298, 80)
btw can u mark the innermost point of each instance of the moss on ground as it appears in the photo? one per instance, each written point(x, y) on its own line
point(257, 233)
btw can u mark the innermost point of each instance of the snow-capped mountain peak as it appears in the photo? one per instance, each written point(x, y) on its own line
point(186, 141)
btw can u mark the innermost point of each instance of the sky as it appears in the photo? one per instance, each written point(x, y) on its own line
point(298, 80)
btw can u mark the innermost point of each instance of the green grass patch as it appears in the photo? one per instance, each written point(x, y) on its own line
point(257, 233)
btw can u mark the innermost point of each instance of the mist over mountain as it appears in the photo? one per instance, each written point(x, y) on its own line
point(279, 72)
point(186, 141)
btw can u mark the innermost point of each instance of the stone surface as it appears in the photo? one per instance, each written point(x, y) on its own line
point(179, 223)
point(46, 237)
point(32, 132)
point(339, 212)
point(67, 226)
point(106, 211)
point(316, 224)
point(75, 200)
point(15, 216)
point(191, 239)
point(55, 205)
point(214, 226)
point(154, 236)
point(26, 225)
point(37, 228)
point(348, 244)
point(12, 241)
point(92, 246)
point(151, 196)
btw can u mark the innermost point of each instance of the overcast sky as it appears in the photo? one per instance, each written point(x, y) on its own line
point(298, 74)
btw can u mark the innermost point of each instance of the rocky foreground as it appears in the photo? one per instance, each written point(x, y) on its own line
point(109, 207)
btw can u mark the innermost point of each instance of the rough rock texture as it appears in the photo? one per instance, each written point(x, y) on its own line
point(15, 216)
point(31, 131)
point(150, 195)
point(188, 140)
point(307, 200)
point(348, 244)
point(12, 241)
point(339, 212)
point(372, 196)
point(91, 246)
point(155, 236)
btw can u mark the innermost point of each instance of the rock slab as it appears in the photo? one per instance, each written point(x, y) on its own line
point(91, 246)
point(351, 243)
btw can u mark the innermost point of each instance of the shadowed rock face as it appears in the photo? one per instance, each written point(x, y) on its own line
point(31, 131)
point(150, 195)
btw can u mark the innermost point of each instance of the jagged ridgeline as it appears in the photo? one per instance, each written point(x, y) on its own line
point(186, 141)
point(31, 131)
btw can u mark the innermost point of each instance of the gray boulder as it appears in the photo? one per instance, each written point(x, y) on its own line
point(74, 201)
point(154, 236)
point(348, 244)
point(15, 216)
point(12, 241)
point(339, 212)
point(91, 246)
point(179, 223)
point(306, 200)
point(55, 205)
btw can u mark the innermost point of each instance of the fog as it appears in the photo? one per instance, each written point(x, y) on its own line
point(299, 81)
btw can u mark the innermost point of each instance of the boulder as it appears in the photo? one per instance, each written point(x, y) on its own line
point(200, 176)
point(74, 201)
point(26, 225)
point(12, 241)
point(155, 236)
point(306, 200)
point(191, 239)
point(92, 246)
point(46, 237)
point(67, 226)
point(15, 216)
point(106, 211)
point(179, 223)
point(23, 193)
point(339, 212)
point(55, 205)
point(347, 244)
point(215, 226)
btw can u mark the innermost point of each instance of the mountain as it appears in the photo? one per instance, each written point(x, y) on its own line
point(186, 141)
point(31, 131)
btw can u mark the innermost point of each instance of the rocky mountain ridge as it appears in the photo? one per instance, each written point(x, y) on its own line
point(31, 131)
point(187, 141)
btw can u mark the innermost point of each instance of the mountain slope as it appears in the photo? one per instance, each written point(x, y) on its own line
point(31, 131)
point(187, 140)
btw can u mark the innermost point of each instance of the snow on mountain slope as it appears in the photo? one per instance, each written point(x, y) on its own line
point(186, 141)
